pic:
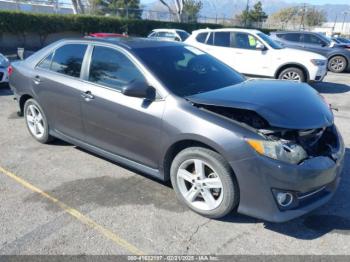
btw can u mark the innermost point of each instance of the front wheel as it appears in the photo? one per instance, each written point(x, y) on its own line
point(337, 64)
point(36, 121)
point(204, 182)
point(292, 74)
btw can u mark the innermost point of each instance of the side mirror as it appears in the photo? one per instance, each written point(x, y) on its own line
point(139, 89)
point(260, 46)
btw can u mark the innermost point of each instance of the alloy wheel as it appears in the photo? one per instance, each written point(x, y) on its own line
point(291, 75)
point(200, 184)
point(337, 64)
point(35, 121)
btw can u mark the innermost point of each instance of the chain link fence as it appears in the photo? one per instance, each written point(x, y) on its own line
point(59, 7)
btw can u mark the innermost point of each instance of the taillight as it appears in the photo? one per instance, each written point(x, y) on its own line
point(9, 70)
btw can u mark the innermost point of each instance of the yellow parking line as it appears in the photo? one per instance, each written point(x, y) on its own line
point(76, 214)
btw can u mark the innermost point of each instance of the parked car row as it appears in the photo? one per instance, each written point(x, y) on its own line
point(337, 54)
point(251, 52)
point(268, 149)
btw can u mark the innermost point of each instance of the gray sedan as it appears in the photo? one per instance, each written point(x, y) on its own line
point(267, 149)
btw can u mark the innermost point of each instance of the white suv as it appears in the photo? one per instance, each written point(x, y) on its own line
point(253, 53)
point(169, 34)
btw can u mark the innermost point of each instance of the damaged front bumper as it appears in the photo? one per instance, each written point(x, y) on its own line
point(312, 184)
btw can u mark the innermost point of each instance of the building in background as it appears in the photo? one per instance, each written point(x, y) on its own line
point(332, 28)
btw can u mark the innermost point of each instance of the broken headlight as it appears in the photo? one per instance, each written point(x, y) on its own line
point(280, 150)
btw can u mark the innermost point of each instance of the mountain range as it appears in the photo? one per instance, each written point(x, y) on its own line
point(229, 8)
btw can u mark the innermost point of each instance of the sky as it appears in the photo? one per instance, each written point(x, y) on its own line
point(315, 2)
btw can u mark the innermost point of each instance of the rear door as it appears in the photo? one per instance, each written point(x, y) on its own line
point(58, 86)
point(122, 125)
point(293, 40)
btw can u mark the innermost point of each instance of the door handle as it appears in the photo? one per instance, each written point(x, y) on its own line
point(87, 95)
point(37, 80)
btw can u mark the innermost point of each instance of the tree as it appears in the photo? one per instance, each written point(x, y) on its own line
point(183, 8)
point(191, 9)
point(78, 7)
point(255, 15)
point(296, 17)
point(315, 17)
point(122, 8)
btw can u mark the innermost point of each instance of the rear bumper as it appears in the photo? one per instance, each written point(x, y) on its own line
point(257, 177)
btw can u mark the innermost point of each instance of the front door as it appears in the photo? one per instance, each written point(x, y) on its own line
point(126, 126)
point(238, 50)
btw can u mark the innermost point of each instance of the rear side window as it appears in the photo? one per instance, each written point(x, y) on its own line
point(222, 39)
point(201, 37)
point(111, 68)
point(68, 59)
point(166, 34)
point(292, 37)
point(46, 63)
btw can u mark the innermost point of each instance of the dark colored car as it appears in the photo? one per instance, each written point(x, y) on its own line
point(341, 41)
point(338, 55)
point(269, 149)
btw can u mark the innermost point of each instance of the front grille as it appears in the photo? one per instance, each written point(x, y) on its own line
point(1, 75)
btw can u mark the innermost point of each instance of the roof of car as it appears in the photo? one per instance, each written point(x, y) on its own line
point(287, 32)
point(167, 29)
point(228, 30)
point(128, 42)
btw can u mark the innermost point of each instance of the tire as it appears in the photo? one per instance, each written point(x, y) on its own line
point(293, 74)
point(35, 117)
point(337, 64)
point(226, 198)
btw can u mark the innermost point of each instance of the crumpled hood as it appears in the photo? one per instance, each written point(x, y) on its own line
point(283, 104)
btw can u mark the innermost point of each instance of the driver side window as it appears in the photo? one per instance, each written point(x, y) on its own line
point(111, 68)
point(311, 39)
point(244, 41)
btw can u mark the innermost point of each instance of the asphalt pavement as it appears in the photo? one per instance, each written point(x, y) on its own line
point(60, 199)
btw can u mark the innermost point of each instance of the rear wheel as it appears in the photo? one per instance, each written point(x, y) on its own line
point(337, 64)
point(204, 182)
point(292, 74)
point(36, 121)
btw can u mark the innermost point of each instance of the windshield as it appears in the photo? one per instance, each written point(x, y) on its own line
point(183, 35)
point(186, 71)
point(335, 40)
point(269, 41)
point(325, 38)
